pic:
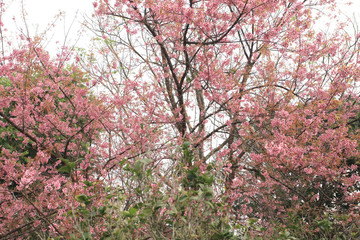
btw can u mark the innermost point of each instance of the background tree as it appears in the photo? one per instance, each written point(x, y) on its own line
point(49, 120)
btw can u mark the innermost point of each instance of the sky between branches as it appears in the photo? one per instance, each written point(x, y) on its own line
point(68, 30)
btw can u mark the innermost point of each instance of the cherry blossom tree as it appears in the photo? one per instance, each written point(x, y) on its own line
point(263, 101)
point(215, 119)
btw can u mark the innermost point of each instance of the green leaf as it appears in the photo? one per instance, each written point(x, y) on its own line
point(133, 211)
point(126, 214)
point(195, 198)
point(6, 82)
point(173, 211)
point(208, 194)
point(87, 183)
point(258, 174)
point(137, 166)
point(252, 221)
point(147, 212)
point(65, 169)
point(68, 167)
point(138, 191)
point(145, 161)
point(183, 198)
point(102, 210)
point(159, 205)
point(83, 198)
point(122, 162)
point(210, 204)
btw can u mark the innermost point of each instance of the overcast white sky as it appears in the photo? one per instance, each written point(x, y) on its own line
point(42, 12)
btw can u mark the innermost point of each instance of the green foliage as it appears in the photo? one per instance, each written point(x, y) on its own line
point(323, 227)
point(68, 166)
point(193, 212)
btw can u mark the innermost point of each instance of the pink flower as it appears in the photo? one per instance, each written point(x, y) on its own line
point(154, 187)
point(57, 184)
point(53, 205)
point(308, 170)
point(28, 177)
